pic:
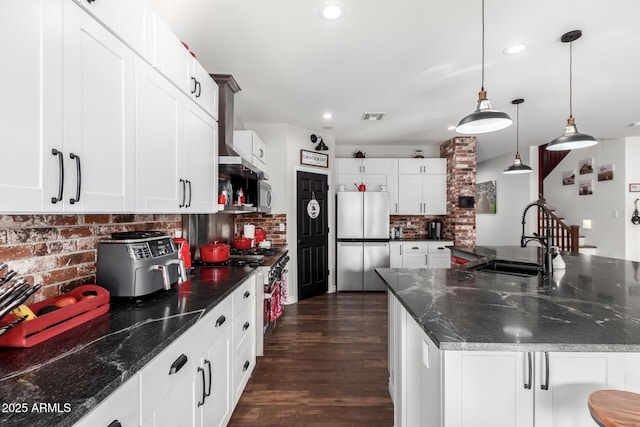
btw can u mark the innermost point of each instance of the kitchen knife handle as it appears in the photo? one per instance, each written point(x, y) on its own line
point(79, 174)
point(189, 202)
point(220, 321)
point(204, 394)
point(55, 152)
point(208, 363)
point(184, 193)
point(527, 385)
point(178, 364)
point(545, 385)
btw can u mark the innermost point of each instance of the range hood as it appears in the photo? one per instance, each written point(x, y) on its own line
point(229, 161)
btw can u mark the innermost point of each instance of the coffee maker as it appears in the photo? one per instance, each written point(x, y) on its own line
point(435, 230)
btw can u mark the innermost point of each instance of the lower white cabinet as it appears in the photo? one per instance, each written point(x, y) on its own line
point(122, 406)
point(420, 254)
point(431, 387)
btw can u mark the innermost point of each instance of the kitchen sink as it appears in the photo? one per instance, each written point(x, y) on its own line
point(509, 267)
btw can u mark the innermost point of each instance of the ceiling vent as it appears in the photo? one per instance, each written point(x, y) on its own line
point(372, 116)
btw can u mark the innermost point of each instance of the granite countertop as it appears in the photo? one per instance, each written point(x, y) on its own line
point(592, 305)
point(79, 368)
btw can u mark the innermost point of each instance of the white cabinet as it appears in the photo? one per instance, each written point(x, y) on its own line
point(176, 149)
point(395, 254)
point(422, 186)
point(375, 173)
point(243, 337)
point(420, 254)
point(250, 147)
point(425, 166)
point(69, 131)
point(431, 387)
point(121, 406)
point(126, 18)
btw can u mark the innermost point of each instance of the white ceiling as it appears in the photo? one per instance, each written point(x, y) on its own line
point(419, 61)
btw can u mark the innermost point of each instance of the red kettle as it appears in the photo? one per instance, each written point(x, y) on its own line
point(184, 252)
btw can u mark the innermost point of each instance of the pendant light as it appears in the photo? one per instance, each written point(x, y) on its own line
point(571, 139)
point(517, 166)
point(484, 119)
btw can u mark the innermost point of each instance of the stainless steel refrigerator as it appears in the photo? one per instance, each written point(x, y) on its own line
point(362, 239)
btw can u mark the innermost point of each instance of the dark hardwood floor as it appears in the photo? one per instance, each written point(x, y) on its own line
point(325, 364)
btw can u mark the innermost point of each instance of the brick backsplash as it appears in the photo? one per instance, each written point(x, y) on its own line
point(59, 251)
point(270, 224)
point(418, 228)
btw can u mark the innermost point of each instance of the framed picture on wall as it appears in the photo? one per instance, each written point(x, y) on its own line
point(568, 178)
point(585, 166)
point(605, 172)
point(585, 187)
point(486, 197)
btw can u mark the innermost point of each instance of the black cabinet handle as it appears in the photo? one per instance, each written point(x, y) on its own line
point(247, 294)
point(91, 1)
point(246, 366)
point(198, 89)
point(527, 385)
point(545, 385)
point(79, 175)
point(220, 320)
point(204, 395)
point(184, 193)
point(208, 363)
point(193, 80)
point(178, 364)
point(55, 152)
point(189, 202)
point(245, 326)
point(114, 423)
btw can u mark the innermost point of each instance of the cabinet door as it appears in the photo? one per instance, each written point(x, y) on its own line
point(31, 108)
point(410, 166)
point(206, 91)
point(434, 194)
point(170, 56)
point(395, 256)
point(373, 166)
point(391, 171)
point(415, 260)
point(213, 384)
point(175, 409)
point(572, 377)
point(123, 406)
point(409, 194)
point(200, 145)
point(434, 166)
point(159, 107)
point(349, 166)
point(98, 117)
point(489, 389)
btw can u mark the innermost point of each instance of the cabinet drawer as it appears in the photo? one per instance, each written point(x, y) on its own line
point(155, 378)
point(122, 405)
point(243, 365)
point(409, 247)
point(243, 295)
point(243, 325)
point(213, 324)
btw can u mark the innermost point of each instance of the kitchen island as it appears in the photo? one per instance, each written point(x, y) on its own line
point(57, 382)
point(487, 348)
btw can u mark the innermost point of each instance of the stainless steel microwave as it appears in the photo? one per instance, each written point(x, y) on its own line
point(264, 197)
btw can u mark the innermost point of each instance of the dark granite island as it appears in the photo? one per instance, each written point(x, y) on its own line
point(487, 348)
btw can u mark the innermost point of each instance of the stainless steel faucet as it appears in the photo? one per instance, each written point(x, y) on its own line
point(547, 265)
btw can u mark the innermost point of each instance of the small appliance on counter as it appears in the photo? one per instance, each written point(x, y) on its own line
point(435, 230)
point(138, 263)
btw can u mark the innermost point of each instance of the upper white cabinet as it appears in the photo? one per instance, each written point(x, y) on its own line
point(422, 186)
point(176, 149)
point(250, 147)
point(376, 174)
point(126, 18)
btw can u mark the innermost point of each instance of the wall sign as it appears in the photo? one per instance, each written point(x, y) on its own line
point(313, 158)
point(313, 207)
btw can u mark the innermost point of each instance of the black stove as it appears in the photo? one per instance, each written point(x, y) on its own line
point(237, 262)
point(253, 251)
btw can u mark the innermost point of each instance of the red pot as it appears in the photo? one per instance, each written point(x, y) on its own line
point(242, 243)
point(214, 252)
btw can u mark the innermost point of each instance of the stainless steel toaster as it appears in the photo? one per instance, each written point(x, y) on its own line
point(138, 263)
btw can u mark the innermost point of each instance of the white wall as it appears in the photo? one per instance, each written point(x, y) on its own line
point(514, 193)
point(394, 151)
point(606, 207)
point(284, 142)
point(632, 171)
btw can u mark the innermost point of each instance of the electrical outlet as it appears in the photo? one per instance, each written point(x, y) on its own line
point(408, 223)
point(616, 214)
point(281, 227)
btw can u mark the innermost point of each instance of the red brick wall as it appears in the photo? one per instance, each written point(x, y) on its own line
point(460, 223)
point(59, 251)
point(270, 224)
point(418, 228)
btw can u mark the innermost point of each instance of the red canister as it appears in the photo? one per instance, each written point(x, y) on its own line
point(260, 235)
point(184, 252)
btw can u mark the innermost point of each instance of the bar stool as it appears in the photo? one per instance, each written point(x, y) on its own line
point(615, 408)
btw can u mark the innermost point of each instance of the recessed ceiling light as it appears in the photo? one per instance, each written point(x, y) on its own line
point(452, 127)
point(516, 48)
point(331, 11)
point(327, 116)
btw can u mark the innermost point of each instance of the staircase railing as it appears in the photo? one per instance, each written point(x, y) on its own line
point(565, 237)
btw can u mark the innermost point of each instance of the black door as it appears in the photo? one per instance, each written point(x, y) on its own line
point(313, 235)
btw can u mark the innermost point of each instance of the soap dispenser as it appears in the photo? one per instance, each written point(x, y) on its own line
point(558, 262)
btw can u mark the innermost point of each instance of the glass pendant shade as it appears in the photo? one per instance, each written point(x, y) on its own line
point(517, 167)
point(571, 139)
point(484, 119)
